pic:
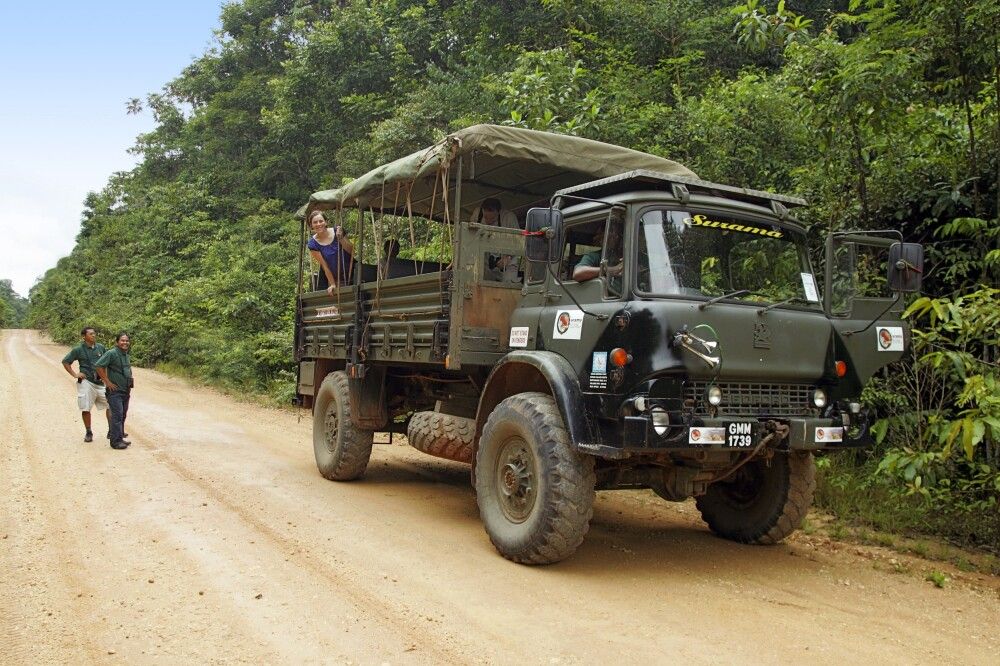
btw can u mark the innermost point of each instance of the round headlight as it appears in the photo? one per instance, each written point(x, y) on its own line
point(661, 420)
point(639, 402)
point(819, 398)
point(714, 395)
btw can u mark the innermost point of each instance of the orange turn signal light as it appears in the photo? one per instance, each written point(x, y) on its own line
point(620, 357)
point(841, 368)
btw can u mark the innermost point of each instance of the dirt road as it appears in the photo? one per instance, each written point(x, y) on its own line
point(214, 539)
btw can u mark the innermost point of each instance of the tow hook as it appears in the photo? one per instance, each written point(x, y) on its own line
point(776, 433)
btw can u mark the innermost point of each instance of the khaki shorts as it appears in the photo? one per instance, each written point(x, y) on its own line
point(90, 395)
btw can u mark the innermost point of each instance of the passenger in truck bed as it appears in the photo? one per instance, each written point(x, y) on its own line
point(332, 250)
point(390, 252)
point(491, 212)
point(499, 267)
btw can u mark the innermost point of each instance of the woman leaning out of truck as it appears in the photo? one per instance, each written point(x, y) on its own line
point(332, 250)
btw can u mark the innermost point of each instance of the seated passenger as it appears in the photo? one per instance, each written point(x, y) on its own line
point(332, 250)
point(491, 212)
point(500, 268)
point(589, 265)
point(390, 250)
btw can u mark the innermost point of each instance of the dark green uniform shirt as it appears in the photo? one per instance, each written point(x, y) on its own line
point(87, 357)
point(119, 367)
point(593, 260)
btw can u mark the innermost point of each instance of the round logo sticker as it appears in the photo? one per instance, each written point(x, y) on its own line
point(696, 434)
point(884, 338)
point(820, 434)
point(562, 322)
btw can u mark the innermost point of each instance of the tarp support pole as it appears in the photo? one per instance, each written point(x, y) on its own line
point(453, 360)
point(298, 290)
point(359, 306)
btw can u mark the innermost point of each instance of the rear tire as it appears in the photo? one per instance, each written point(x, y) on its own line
point(764, 501)
point(442, 435)
point(342, 449)
point(535, 493)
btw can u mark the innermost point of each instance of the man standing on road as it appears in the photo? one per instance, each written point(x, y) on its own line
point(89, 391)
point(116, 373)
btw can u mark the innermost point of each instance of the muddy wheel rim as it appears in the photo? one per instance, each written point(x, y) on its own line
point(330, 427)
point(516, 479)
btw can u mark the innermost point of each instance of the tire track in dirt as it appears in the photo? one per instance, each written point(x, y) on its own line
point(368, 605)
point(33, 542)
point(366, 602)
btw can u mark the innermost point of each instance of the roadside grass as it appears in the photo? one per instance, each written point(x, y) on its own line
point(278, 396)
point(850, 507)
point(925, 548)
point(938, 578)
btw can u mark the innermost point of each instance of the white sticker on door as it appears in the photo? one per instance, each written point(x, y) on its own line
point(889, 338)
point(809, 287)
point(518, 336)
point(599, 370)
point(568, 325)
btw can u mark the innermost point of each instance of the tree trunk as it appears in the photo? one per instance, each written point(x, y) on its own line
point(996, 116)
point(859, 164)
point(963, 71)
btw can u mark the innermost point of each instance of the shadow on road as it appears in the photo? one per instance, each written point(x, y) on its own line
point(631, 529)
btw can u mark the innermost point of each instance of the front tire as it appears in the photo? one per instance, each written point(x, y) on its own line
point(764, 501)
point(342, 449)
point(535, 493)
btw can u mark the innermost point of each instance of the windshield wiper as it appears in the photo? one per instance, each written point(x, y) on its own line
point(733, 294)
point(794, 299)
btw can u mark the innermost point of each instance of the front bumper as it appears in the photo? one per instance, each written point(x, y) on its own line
point(745, 433)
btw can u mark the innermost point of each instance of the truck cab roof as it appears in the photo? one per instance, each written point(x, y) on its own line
point(640, 183)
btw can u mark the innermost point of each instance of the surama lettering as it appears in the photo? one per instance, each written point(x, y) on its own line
point(702, 221)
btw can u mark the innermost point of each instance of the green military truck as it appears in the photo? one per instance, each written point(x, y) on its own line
point(647, 330)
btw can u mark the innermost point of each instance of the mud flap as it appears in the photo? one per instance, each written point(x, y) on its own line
point(369, 410)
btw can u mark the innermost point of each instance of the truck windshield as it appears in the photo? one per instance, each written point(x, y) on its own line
point(685, 253)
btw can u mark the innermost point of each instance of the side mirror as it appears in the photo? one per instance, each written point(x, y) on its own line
point(544, 230)
point(906, 267)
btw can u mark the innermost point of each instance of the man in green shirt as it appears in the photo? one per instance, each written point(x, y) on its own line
point(89, 390)
point(589, 265)
point(115, 370)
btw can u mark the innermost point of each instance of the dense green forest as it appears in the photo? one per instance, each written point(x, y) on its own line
point(13, 308)
point(881, 113)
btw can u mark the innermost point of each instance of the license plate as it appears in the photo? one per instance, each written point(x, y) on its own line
point(734, 436)
point(739, 435)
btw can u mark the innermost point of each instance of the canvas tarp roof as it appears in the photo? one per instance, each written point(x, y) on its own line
point(519, 166)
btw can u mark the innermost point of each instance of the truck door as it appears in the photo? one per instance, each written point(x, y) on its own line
point(864, 313)
point(573, 317)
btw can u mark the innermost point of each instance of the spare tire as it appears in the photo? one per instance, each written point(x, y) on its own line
point(442, 435)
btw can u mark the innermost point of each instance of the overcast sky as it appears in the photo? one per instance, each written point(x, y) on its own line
point(66, 71)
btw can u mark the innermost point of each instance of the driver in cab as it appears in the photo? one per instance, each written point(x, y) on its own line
point(589, 266)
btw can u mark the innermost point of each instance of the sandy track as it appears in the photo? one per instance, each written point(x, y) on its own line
point(214, 539)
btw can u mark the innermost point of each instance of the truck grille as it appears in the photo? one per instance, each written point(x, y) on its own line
point(755, 399)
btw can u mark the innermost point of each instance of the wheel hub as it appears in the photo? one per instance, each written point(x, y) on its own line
point(515, 473)
point(331, 427)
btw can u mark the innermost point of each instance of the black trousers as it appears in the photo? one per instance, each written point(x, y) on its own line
point(118, 403)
